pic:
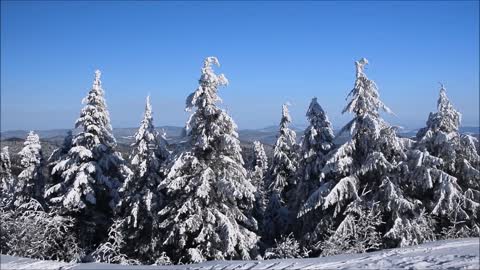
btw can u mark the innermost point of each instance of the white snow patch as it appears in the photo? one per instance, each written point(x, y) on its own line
point(452, 254)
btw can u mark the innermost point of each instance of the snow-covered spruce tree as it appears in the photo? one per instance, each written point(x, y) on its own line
point(441, 135)
point(317, 142)
point(458, 228)
point(257, 175)
point(31, 180)
point(111, 250)
point(281, 181)
point(448, 163)
point(260, 164)
point(372, 159)
point(438, 190)
point(209, 196)
point(91, 172)
point(361, 237)
point(287, 247)
point(140, 201)
point(7, 180)
point(6, 198)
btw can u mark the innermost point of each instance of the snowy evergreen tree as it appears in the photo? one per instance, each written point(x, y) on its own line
point(440, 136)
point(260, 163)
point(140, 201)
point(110, 251)
point(447, 163)
point(209, 196)
point(372, 159)
point(359, 235)
point(457, 229)
point(31, 181)
point(316, 143)
point(258, 174)
point(7, 182)
point(437, 189)
point(91, 172)
point(286, 248)
point(281, 180)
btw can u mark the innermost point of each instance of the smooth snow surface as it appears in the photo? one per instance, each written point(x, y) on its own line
point(451, 254)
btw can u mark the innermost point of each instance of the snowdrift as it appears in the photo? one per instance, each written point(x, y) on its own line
point(452, 254)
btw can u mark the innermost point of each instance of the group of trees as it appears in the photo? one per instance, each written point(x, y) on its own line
point(200, 201)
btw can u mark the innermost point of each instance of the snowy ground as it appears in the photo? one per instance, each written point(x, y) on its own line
point(451, 254)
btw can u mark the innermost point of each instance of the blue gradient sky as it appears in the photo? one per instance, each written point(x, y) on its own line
point(271, 52)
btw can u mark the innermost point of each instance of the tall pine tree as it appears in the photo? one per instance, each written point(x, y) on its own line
point(258, 176)
point(31, 180)
point(7, 181)
point(364, 171)
point(316, 143)
point(209, 196)
point(140, 200)
point(281, 181)
point(447, 163)
point(90, 173)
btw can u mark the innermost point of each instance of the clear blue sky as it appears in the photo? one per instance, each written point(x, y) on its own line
point(271, 52)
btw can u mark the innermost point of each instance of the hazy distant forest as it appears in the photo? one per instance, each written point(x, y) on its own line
point(206, 196)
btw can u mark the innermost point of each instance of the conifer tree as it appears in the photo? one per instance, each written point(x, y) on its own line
point(287, 247)
point(316, 143)
point(258, 175)
point(365, 170)
point(31, 181)
point(440, 136)
point(281, 181)
point(447, 163)
point(7, 181)
point(90, 173)
point(140, 201)
point(209, 196)
point(259, 162)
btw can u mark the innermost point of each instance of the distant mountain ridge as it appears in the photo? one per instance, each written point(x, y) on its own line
point(121, 134)
point(266, 135)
